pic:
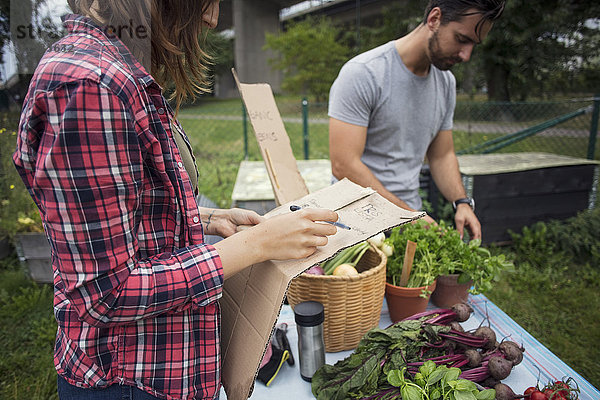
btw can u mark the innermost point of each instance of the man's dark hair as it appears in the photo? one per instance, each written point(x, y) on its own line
point(454, 10)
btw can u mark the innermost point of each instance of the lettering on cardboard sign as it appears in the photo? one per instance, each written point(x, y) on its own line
point(260, 115)
point(368, 212)
point(266, 136)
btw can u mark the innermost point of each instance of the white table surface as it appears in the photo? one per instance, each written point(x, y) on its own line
point(538, 360)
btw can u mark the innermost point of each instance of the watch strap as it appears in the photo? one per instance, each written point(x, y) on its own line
point(464, 200)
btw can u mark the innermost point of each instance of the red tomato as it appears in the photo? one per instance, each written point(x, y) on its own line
point(537, 395)
point(552, 394)
point(563, 388)
point(529, 390)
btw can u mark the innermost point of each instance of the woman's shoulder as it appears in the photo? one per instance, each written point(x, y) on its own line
point(78, 58)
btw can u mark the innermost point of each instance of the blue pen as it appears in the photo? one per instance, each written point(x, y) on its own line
point(338, 224)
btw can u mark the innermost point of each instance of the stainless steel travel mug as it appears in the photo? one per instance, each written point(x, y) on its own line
point(309, 316)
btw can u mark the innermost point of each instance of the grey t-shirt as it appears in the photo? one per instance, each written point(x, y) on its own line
point(403, 113)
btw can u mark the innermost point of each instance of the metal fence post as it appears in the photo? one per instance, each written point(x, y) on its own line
point(305, 126)
point(594, 128)
point(245, 123)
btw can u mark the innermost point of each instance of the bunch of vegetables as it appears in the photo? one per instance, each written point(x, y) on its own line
point(344, 263)
point(430, 337)
point(432, 382)
point(441, 251)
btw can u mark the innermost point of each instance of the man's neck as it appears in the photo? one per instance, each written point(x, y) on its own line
point(412, 48)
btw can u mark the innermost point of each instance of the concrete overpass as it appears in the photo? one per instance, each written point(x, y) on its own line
point(251, 19)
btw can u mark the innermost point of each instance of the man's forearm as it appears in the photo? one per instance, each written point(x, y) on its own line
point(446, 175)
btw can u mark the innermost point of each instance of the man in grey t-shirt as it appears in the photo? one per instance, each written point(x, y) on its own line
point(392, 107)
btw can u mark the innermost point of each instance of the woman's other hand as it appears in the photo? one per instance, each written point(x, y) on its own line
point(225, 223)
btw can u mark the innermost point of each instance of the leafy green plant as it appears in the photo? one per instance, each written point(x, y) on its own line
point(441, 251)
point(576, 238)
point(436, 382)
point(18, 212)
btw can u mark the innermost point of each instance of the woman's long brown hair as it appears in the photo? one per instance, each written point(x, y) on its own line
point(175, 54)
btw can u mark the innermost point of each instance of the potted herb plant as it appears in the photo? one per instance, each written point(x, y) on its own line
point(410, 275)
point(460, 267)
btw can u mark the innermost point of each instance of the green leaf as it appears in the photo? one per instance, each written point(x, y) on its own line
point(465, 385)
point(435, 376)
point(463, 278)
point(410, 392)
point(451, 375)
point(435, 394)
point(460, 395)
point(487, 394)
point(427, 368)
point(396, 377)
point(418, 379)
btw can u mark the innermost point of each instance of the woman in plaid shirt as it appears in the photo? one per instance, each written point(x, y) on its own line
point(104, 158)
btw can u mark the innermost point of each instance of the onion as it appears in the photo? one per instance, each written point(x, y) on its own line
point(387, 249)
point(377, 240)
point(345, 270)
point(315, 270)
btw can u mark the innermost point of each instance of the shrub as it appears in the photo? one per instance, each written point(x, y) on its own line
point(18, 212)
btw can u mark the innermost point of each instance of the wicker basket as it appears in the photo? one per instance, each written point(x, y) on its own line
point(352, 303)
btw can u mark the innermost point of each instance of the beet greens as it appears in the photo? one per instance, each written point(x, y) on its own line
point(406, 347)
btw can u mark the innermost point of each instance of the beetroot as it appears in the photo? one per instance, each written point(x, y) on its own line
point(511, 351)
point(456, 326)
point(490, 382)
point(487, 333)
point(504, 392)
point(499, 367)
point(474, 358)
point(463, 311)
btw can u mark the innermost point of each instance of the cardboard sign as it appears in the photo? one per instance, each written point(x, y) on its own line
point(252, 299)
point(273, 141)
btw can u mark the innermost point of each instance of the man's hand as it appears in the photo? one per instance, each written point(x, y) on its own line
point(466, 218)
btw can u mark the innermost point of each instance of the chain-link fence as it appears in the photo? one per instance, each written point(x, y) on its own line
point(567, 127)
point(222, 136)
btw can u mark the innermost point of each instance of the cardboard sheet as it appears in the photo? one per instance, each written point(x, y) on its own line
point(253, 298)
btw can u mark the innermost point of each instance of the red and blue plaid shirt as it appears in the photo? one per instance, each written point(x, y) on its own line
point(135, 288)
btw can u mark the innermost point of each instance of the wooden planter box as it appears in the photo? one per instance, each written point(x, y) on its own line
point(515, 190)
point(34, 253)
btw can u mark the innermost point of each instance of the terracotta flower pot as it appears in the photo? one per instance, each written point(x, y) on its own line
point(403, 302)
point(449, 292)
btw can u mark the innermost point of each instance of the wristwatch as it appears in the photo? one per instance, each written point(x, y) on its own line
point(465, 200)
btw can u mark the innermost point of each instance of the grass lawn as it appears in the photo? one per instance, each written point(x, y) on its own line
point(559, 306)
point(552, 295)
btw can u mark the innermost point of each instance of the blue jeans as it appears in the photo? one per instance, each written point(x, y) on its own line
point(66, 391)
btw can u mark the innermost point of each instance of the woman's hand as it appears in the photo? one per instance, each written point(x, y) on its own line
point(292, 235)
point(296, 234)
point(225, 223)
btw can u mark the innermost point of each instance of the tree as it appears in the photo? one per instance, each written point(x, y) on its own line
point(310, 56)
point(536, 42)
point(537, 47)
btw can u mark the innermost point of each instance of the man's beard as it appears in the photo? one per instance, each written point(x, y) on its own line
point(440, 61)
